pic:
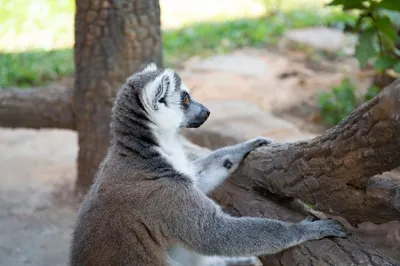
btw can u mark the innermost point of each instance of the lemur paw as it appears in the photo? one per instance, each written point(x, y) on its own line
point(261, 141)
point(329, 227)
point(335, 228)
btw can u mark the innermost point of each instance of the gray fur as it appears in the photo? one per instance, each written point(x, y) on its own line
point(148, 207)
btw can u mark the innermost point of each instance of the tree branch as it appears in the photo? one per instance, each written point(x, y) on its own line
point(37, 108)
point(333, 171)
point(239, 198)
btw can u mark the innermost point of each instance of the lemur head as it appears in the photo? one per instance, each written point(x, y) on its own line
point(161, 97)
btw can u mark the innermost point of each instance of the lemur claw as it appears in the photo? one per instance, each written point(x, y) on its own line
point(261, 141)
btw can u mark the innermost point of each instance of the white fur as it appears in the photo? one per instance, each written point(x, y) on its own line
point(212, 177)
point(167, 121)
point(150, 67)
point(188, 258)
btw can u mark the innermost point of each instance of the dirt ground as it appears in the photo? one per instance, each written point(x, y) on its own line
point(37, 167)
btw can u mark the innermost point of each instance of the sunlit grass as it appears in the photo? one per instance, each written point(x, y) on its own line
point(219, 37)
point(32, 68)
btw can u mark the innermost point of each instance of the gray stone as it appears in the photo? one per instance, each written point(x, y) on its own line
point(234, 63)
point(323, 38)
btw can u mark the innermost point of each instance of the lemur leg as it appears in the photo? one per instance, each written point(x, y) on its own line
point(213, 169)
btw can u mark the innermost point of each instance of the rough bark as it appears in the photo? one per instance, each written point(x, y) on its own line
point(333, 172)
point(37, 108)
point(113, 40)
point(238, 197)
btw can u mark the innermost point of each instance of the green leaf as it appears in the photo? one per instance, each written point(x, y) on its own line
point(384, 25)
point(389, 4)
point(336, 3)
point(348, 4)
point(366, 47)
point(371, 93)
point(396, 67)
point(359, 21)
point(382, 63)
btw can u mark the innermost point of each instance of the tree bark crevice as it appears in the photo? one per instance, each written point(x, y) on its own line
point(37, 108)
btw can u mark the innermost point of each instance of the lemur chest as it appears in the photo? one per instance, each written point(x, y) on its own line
point(175, 154)
point(180, 163)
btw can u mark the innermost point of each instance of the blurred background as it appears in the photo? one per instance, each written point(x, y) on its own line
point(300, 65)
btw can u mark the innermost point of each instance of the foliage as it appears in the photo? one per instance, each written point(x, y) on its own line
point(341, 101)
point(34, 67)
point(371, 93)
point(378, 23)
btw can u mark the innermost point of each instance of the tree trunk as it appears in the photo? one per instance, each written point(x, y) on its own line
point(113, 39)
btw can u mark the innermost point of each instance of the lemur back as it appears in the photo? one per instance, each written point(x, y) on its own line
point(148, 204)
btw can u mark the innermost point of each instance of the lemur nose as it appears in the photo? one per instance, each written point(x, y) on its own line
point(207, 113)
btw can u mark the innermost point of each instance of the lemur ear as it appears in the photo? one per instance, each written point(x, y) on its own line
point(161, 91)
point(150, 67)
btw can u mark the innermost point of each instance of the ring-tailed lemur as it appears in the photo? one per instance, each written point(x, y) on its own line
point(148, 204)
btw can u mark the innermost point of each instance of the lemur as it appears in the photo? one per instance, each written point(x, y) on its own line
point(148, 204)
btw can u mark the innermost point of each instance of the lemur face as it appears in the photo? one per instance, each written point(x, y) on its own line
point(166, 99)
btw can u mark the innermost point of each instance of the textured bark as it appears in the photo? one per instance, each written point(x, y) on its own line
point(239, 198)
point(37, 108)
point(113, 40)
point(333, 172)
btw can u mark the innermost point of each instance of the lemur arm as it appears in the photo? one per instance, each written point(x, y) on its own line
point(201, 226)
point(213, 169)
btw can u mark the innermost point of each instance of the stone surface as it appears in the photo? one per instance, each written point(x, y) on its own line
point(323, 38)
point(236, 64)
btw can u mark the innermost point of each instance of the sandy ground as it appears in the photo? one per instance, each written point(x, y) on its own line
point(37, 167)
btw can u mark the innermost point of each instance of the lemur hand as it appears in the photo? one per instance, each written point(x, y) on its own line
point(259, 142)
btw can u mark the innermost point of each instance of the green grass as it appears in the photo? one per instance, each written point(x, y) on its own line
point(38, 67)
point(205, 38)
point(34, 67)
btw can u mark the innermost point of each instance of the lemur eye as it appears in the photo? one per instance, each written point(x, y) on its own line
point(187, 100)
